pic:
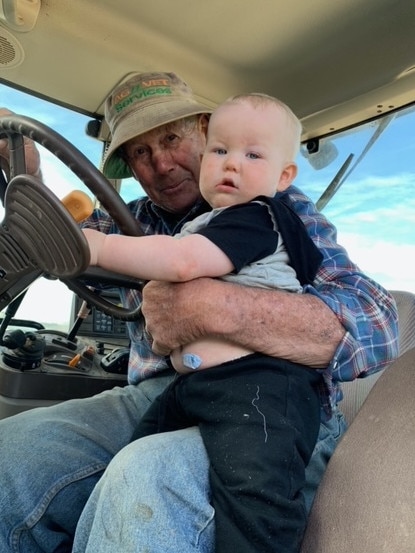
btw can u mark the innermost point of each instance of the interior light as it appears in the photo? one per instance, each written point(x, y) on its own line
point(19, 15)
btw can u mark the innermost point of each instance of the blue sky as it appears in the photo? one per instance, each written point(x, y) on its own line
point(374, 211)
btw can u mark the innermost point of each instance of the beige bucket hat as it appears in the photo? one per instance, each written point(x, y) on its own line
point(144, 102)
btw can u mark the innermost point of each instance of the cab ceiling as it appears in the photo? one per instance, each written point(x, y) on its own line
point(334, 62)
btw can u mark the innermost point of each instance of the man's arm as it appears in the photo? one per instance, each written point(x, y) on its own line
point(297, 327)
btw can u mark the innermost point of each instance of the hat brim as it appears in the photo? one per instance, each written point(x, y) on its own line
point(140, 121)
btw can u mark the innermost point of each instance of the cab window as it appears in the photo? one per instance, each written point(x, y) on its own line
point(362, 179)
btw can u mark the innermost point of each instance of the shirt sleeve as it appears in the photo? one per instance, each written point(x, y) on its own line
point(100, 220)
point(365, 309)
point(245, 233)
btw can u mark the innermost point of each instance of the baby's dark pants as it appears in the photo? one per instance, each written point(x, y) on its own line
point(259, 418)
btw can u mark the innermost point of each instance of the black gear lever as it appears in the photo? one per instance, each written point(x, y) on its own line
point(24, 349)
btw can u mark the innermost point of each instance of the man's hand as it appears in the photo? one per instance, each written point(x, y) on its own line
point(31, 152)
point(161, 304)
point(297, 327)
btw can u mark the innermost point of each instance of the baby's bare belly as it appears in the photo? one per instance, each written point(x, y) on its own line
point(205, 354)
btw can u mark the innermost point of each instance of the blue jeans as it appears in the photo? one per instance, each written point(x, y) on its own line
point(154, 495)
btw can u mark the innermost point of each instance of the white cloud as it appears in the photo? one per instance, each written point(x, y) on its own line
point(388, 263)
point(46, 301)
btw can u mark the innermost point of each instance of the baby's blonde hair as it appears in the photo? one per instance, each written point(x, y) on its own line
point(258, 99)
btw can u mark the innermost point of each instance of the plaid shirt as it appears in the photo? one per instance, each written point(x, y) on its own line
point(367, 311)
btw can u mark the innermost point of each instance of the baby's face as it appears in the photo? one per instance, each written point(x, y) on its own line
point(245, 153)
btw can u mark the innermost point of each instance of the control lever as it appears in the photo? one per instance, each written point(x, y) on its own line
point(24, 350)
point(116, 361)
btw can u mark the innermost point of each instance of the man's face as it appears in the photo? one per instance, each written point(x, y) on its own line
point(166, 162)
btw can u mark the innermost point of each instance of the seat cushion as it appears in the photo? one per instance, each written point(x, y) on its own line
point(366, 500)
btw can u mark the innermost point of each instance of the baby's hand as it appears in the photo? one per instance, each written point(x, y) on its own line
point(95, 241)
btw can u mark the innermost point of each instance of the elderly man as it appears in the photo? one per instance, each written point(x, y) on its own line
point(154, 494)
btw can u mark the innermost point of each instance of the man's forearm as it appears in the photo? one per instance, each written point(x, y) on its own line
point(297, 327)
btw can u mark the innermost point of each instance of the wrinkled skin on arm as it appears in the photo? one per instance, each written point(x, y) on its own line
point(297, 327)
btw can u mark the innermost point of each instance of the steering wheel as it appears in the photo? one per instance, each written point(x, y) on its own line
point(17, 279)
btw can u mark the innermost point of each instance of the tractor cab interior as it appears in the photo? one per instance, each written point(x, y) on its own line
point(347, 69)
